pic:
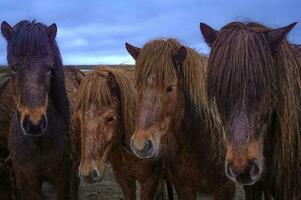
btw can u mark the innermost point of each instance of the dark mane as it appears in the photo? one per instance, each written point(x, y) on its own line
point(31, 40)
point(248, 72)
point(245, 67)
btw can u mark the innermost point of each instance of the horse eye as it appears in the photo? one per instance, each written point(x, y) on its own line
point(170, 88)
point(110, 119)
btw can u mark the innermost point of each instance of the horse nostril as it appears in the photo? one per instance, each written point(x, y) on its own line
point(230, 172)
point(254, 170)
point(26, 124)
point(148, 145)
point(95, 174)
point(43, 123)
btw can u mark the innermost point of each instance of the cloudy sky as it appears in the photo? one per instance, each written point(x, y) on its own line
point(94, 31)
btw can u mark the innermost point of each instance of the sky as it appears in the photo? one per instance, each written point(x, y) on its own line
point(94, 31)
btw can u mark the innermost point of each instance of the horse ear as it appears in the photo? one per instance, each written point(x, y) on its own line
point(276, 35)
point(112, 84)
point(7, 30)
point(179, 55)
point(208, 33)
point(51, 31)
point(134, 51)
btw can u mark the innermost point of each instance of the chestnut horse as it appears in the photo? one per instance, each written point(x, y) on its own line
point(173, 120)
point(105, 117)
point(254, 86)
point(39, 141)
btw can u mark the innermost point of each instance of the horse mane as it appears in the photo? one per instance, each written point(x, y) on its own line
point(73, 79)
point(4, 86)
point(155, 61)
point(94, 89)
point(31, 40)
point(246, 67)
point(7, 109)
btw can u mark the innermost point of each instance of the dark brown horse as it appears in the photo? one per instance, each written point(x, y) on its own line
point(105, 117)
point(7, 108)
point(39, 131)
point(173, 120)
point(254, 86)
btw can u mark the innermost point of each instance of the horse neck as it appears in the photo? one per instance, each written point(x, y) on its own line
point(290, 184)
point(58, 94)
point(121, 135)
point(193, 132)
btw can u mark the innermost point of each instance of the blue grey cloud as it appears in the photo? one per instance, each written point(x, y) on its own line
point(94, 31)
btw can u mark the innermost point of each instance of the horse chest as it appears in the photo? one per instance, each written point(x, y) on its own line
point(130, 166)
point(38, 151)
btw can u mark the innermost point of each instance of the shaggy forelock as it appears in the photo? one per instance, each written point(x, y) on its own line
point(94, 90)
point(243, 67)
point(155, 62)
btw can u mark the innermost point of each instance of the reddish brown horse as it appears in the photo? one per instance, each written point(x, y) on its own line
point(39, 133)
point(254, 84)
point(173, 120)
point(105, 117)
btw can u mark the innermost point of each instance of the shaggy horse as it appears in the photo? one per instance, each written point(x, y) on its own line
point(7, 184)
point(173, 120)
point(7, 108)
point(105, 117)
point(254, 86)
point(39, 130)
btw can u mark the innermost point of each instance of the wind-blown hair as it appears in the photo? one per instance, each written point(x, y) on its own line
point(243, 68)
point(94, 89)
point(31, 40)
point(156, 59)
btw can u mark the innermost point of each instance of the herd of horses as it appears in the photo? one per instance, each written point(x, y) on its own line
point(200, 124)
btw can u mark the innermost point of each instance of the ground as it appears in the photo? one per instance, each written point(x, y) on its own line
point(108, 189)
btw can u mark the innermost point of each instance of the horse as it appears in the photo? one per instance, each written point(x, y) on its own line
point(173, 120)
point(39, 128)
point(7, 108)
point(105, 117)
point(8, 188)
point(254, 87)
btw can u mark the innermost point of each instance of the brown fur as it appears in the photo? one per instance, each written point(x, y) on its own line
point(100, 90)
point(7, 109)
point(8, 188)
point(191, 145)
point(163, 71)
point(243, 69)
point(102, 96)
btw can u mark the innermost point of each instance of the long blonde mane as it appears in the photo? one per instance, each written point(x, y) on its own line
point(95, 90)
point(156, 59)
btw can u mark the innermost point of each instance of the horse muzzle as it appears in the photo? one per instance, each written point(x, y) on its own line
point(34, 128)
